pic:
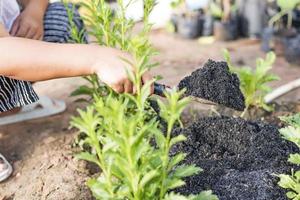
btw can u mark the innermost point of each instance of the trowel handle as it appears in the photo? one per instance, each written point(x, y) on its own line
point(160, 89)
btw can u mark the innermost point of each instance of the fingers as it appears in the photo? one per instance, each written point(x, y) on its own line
point(118, 88)
point(146, 78)
point(128, 86)
point(23, 30)
point(15, 27)
point(41, 37)
point(31, 33)
point(125, 86)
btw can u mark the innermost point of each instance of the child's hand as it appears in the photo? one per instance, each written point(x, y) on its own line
point(113, 72)
point(29, 24)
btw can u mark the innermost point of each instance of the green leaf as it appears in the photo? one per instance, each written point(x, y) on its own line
point(291, 134)
point(287, 4)
point(291, 195)
point(174, 183)
point(98, 189)
point(292, 120)
point(174, 196)
point(297, 176)
point(177, 139)
point(147, 178)
point(83, 90)
point(294, 159)
point(286, 181)
point(206, 195)
point(88, 157)
point(176, 160)
point(186, 170)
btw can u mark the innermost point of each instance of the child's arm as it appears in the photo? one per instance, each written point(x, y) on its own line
point(29, 23)
point(36, 61)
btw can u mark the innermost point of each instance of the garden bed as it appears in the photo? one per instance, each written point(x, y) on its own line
point(239, 158)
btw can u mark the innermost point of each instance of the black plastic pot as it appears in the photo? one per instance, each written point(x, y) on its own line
point(292, 49)
point(190, 26)
point(273, 40)
point(283, 42)
point(266, 39)
point(208, 25)
point(296, 19)
point(225, 31)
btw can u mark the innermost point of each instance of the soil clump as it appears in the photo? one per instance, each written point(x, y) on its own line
point(216, 83)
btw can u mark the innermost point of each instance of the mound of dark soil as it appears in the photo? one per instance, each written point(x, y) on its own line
point(216, 83)
point(239, 158)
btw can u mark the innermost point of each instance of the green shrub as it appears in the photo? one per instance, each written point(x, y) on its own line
point(254, 81)
point(126, 140)
point(292, 134)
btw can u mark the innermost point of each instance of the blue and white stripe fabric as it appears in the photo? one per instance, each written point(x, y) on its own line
point(16, 93)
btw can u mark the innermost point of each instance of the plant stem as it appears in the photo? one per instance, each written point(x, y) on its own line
point(244, 112)
point(277, 17)
point(102, 161)
point(166, 158)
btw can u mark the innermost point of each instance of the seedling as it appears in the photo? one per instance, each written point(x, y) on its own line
point(292, 134)
point(254, 81)
point(126, 141)
point(286, 8)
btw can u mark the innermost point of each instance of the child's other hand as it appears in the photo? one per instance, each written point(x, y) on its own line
point(29, 24)
point(113, 72)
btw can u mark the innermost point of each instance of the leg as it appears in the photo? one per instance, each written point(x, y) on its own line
point(57, 25)
point(15, 93)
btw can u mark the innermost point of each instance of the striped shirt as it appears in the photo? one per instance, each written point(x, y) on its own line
point(16, 93)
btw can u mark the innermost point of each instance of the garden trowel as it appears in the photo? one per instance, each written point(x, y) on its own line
point(160, 89)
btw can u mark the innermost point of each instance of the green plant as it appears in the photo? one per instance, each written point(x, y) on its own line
point(126, 140)
point(78, 36)
point(292, 134)
point(254, 81)
point(286, 8)
point(222, 9)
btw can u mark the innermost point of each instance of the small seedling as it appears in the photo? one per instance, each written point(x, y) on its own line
point(291, 133)
point(254, 81)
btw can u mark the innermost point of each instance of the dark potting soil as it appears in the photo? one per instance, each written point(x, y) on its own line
point(239, 158)
point(216, 83)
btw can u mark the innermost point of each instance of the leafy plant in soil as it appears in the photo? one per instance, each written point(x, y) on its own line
point(254, 81)
point(292, 133)
point(126, 140)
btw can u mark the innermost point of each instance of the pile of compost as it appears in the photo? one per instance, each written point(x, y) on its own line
point(239, 158)
point(216, 83)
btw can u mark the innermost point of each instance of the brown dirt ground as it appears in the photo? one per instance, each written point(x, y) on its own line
point(40, 150)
